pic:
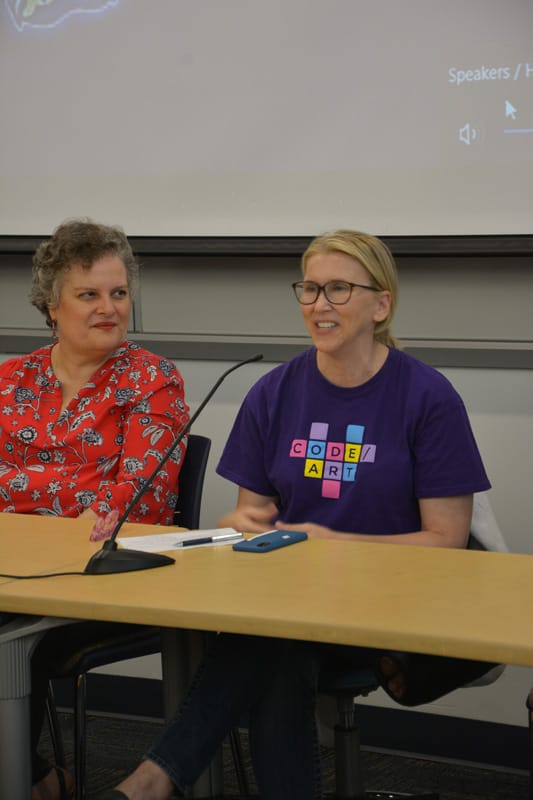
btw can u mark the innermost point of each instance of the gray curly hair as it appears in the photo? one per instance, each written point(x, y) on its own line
point(78, 242)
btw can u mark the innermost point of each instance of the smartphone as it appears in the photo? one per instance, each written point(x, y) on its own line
point(271, 540)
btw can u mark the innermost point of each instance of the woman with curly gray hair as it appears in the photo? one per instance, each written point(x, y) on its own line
point(84, 420)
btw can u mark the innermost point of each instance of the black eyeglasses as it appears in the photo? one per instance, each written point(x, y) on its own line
point(336, 292)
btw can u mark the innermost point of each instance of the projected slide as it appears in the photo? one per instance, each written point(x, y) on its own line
point(241, 117)
point(49, 13)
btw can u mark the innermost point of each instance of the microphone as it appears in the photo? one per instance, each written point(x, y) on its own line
point(110, 559)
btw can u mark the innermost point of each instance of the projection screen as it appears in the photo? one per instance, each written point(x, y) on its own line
point(267, 117)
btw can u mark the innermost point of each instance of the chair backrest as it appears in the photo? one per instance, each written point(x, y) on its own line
point(485, 533)
point(191, 482)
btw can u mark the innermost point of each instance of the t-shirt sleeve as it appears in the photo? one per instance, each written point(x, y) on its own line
point(446, 457)
point(243, 458)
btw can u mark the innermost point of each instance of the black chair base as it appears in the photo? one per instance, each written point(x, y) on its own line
point(386, 796)
point(348, 767)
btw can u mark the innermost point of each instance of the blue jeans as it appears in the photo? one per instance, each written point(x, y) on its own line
point(270, 682)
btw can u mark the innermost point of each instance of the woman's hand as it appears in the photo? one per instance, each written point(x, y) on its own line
point(104, 527)
point(254, 513)
point(250, 519)
point(313, 530)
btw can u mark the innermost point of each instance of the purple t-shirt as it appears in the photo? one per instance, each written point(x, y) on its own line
point(354, 459)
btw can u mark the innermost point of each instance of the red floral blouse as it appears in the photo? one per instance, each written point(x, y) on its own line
point(95, 453)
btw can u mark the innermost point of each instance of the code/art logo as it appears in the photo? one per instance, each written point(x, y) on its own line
point(333, 462)
point(50, 13)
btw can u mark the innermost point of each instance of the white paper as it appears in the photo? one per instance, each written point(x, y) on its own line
point(161, 542)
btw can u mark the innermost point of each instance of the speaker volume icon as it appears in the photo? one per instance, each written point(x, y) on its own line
point(468, 134)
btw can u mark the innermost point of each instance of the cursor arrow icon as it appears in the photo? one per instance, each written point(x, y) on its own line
point(510, 110)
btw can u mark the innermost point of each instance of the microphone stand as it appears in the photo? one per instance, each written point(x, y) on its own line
point(109, 559)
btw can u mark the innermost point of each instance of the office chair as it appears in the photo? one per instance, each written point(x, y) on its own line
point(485, 534)
point(126, 641)
point(345, 685)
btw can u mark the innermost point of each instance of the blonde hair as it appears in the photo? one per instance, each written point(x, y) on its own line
point(377, 260)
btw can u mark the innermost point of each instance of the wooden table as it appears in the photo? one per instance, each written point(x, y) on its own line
point(450, 602)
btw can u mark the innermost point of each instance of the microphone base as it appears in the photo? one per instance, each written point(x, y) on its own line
point(107, 562)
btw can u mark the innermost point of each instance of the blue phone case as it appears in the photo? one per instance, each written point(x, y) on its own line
point(271, 540)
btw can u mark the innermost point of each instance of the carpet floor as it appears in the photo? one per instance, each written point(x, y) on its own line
point(116, 744)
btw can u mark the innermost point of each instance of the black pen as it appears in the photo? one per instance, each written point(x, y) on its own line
point(209, 539)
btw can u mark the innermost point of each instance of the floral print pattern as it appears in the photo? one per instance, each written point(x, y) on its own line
point(97, 452)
